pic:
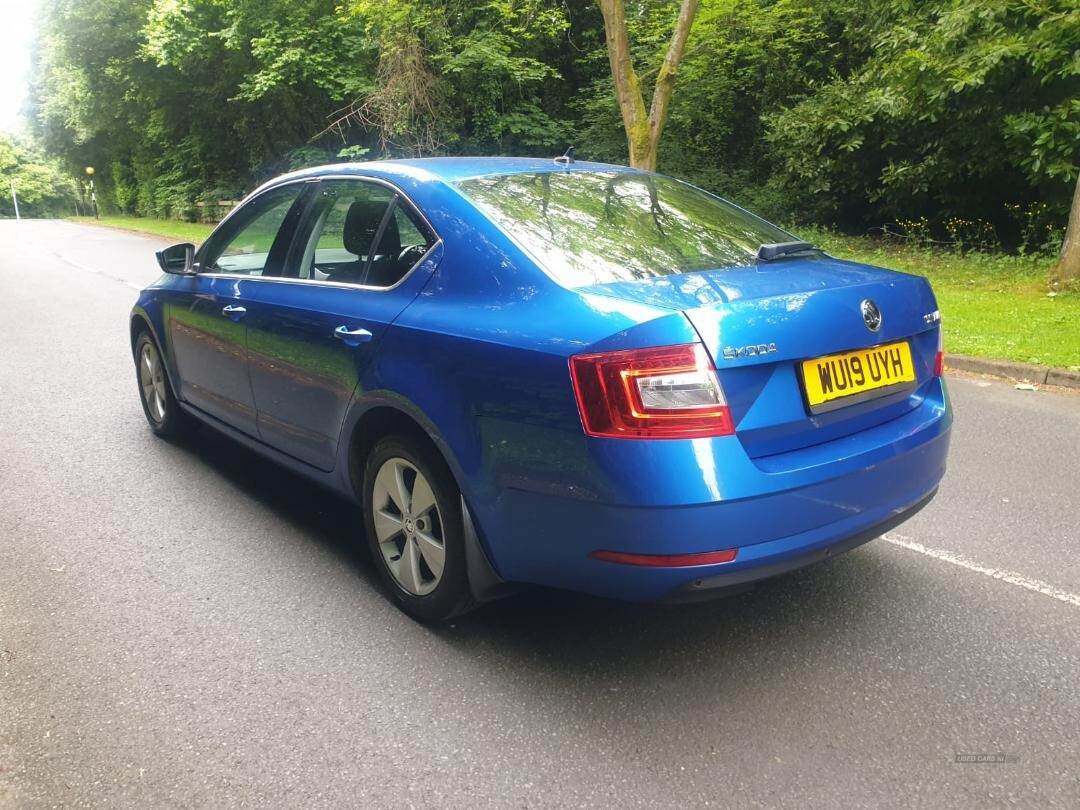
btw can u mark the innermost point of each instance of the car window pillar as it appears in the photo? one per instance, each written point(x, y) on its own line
point(391, 206)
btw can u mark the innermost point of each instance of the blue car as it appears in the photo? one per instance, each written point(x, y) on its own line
point(553, 372)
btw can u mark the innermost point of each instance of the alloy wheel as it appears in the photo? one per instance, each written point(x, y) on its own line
point(152, 382)
point(408, 526)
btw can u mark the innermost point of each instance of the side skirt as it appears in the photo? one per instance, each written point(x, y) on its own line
point(330, 480)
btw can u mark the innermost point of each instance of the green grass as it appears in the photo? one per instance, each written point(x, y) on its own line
point(173, 229)
point(992, 305)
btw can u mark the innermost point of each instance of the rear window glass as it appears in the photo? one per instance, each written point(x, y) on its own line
point(595, 227)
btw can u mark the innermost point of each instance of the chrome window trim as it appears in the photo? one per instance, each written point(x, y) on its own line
point(333, 284)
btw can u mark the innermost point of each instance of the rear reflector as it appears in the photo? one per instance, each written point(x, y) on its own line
point(939, 358)
point(668, 392)
point(666, 560)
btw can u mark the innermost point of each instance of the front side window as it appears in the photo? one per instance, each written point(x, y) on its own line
point(254, 240)
point(362, 233)
point(592, 227)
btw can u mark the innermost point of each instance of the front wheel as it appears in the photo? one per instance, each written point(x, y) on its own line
point(412, 513)
point(155, 393)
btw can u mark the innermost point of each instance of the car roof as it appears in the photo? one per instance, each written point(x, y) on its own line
point(449, 169)
point(452, 169)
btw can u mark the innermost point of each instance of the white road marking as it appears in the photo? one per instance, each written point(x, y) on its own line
point(96, 272)
point(1013, 578)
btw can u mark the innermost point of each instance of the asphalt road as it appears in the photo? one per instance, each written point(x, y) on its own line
point(186, 625)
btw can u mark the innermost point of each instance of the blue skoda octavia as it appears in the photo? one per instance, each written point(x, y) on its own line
point(553, 372)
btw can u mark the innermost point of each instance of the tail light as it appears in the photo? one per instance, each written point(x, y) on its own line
point(669, 392)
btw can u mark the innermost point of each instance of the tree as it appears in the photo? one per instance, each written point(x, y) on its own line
point(42, 187)
point(844, 112)
point(963, 107)
point(181, 102)
point(643, 128)
point(462, 76)
point(1068, 266)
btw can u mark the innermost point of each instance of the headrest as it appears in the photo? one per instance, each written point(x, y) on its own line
point(361, 224)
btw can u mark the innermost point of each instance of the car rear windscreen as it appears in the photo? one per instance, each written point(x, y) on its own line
point(593, 227)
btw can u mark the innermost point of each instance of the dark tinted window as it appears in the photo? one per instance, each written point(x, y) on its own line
point(362, 233)
point(595, 227)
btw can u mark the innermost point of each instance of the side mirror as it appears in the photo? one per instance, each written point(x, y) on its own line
point(177, 259)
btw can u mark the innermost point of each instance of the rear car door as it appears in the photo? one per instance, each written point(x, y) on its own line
point(362, 254)
point(205, 320)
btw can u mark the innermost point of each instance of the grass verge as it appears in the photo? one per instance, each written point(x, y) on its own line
point(992, 305)
point(169, 228)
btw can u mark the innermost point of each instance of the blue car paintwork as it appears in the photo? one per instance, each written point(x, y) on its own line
point(474, 347)
point(722, 286)
point(304, 419)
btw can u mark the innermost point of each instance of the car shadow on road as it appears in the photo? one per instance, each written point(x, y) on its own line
point(577, 630)
point(330, 520)
point(566, 632)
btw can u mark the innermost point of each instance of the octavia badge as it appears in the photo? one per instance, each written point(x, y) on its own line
point(871, 315)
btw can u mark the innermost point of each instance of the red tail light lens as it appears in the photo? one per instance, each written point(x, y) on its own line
point(670, 392)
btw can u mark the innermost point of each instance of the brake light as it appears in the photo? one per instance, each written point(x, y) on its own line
point(668, 392)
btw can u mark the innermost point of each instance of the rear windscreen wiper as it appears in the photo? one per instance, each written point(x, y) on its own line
point(773, 251)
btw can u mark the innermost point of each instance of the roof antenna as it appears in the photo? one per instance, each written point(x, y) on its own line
point(566, 159)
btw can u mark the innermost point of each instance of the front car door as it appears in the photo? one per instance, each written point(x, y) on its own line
point(205, 320)
point(362, 254)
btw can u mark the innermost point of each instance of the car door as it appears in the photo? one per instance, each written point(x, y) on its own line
point(363, 252)
point(205, 317)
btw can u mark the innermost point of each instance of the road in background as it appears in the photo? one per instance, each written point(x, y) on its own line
point(187, 625)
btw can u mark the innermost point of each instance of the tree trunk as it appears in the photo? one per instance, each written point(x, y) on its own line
point(643, 128)
point(1068, 266)
point(665, 80)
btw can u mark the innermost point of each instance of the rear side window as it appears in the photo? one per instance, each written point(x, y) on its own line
point(589, 227)
point(362, 233)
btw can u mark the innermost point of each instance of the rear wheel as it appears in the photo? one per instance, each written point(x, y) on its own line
point(412, 512)
point(155, 393)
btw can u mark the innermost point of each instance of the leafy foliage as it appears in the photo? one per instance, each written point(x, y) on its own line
point(852, 112)
point(963, 107)
point(40, 185)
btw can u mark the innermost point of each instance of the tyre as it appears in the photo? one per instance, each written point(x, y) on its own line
point(155, 392)
point(412, 514)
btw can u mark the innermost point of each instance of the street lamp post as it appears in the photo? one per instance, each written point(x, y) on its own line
point(93, 197)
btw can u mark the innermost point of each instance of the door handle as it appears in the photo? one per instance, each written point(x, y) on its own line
point(233, 312)
point(352, 337)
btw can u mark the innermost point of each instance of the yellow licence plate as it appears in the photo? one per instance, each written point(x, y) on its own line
point(838, 376)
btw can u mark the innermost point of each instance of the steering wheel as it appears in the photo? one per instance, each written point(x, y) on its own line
point(411, 255)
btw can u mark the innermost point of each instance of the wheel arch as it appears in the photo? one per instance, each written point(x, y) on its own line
point(141, 322)
point(388, 415)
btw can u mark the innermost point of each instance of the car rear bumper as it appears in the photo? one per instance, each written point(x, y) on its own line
point(827, 508)
point(717, 585)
